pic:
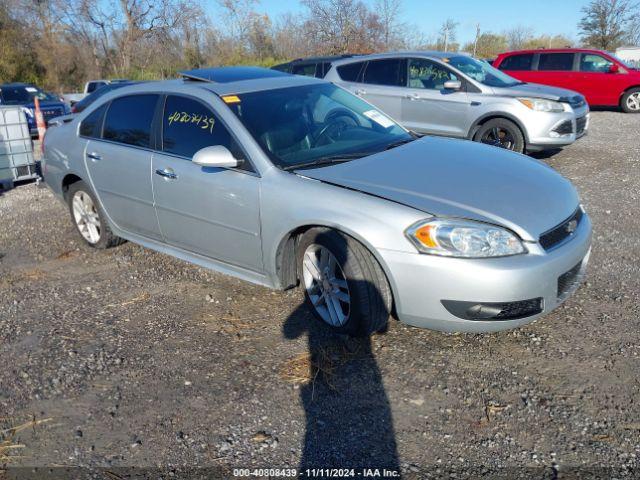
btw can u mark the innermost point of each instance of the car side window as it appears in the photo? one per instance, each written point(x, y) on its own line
point(517, 62)
point(385, 72)
point(590, 62)
point(556, 61)
point(129, 118)
point(93, 86)
point(91, 126)
point(350, 72)
point(189, 125)
point(306, 69)
point(428, 75)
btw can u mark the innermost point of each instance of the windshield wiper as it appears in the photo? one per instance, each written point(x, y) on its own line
point(400, 142)
point(338, 158)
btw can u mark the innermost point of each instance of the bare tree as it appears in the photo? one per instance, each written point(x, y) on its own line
point(341, 26)
point(605, 23)
point(388, 12)
point(448, 32)
point(518, 36)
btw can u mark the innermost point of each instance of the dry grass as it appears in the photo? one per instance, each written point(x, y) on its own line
point(321, 363)
point(143, 297)
point(8, 435)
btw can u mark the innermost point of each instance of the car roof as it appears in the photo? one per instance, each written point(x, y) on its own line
point(408, 53)
point(16, 84)
point(225, 81)
point(230, 80)
point(553, 50)
point(328, 58)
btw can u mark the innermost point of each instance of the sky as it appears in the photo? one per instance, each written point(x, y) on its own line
point(544, 16)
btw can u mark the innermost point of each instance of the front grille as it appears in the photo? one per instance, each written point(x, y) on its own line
point(560, 233)
point(581, 124)
point(569, 281)
point(48, 113)
point(565, 128)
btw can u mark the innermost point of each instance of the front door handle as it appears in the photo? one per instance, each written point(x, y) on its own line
point(166, 173)
point(413, 96)
point(94, 156)
point(360, 91)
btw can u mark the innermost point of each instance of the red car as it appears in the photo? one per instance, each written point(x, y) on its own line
point(602, 78)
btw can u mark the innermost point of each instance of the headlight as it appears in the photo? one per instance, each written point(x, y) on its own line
point(542, 105)
point(463, 238)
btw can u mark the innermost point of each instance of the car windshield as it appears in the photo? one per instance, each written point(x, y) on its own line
point(482, 72)
point(624, 63)
point(20, 95)
point(315, 124)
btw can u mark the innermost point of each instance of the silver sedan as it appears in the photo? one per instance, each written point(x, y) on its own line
point(284, 180)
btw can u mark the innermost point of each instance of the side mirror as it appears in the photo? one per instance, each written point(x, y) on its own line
point(215, 156)
point(452, 85)
point(614, 68)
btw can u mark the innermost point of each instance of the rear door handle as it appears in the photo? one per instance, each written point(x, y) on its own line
point(166, 173)
point(94, 156)
point(360, 91)
point(413, 96)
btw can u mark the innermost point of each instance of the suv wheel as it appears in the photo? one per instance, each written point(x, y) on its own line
point(502, 133)
point(630, 101)
point(88, 217)
point(344, 285)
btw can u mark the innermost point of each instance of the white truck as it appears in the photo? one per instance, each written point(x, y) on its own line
point(89, 87)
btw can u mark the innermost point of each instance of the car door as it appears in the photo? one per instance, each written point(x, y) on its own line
point(118, 160)
point(596, 81)
point(213, 212)
point(556, 69)
point(381, 85)
point(518, 66)
point(427, 107)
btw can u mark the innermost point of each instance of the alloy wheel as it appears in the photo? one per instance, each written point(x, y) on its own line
point(86, 216)
point(499, 137)
point(633, 101)
point(326, 285)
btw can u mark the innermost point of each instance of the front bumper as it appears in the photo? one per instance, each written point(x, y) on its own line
point(421, 282)
point(555, 130)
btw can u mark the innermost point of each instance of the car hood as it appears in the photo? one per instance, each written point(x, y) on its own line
point(457, 178)
point(536, 90)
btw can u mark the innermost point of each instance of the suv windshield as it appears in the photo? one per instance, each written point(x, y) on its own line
point(315, 124)
point(482, 72)
point(19, 95)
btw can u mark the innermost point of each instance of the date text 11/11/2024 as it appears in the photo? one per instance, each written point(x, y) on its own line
point(317, 473)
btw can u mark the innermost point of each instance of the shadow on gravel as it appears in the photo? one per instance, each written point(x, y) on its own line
point(348, 416)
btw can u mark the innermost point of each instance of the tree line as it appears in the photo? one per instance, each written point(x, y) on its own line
point(59, 44)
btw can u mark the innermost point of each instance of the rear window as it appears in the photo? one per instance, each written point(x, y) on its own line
point(556, 61)
point(385, 72)
point(129, 120)
point(93, 86)
point(350, 72)
point(517, 62)
point(92, 125)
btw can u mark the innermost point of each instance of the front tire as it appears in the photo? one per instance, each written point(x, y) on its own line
point(89, 218)
point(344, 285)
point(630, 101)
point(502, 133)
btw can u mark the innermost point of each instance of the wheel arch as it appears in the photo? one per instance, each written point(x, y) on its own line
point(286, 267)
point(498, 115)
point(67, 181)
point(626, 90)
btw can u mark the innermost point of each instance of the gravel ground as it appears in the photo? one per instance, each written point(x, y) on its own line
point(130, 358)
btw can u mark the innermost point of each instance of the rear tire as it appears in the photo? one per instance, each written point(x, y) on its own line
point(357, 287)
point(630, 101)
point(502, 133)
point(89, 218)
